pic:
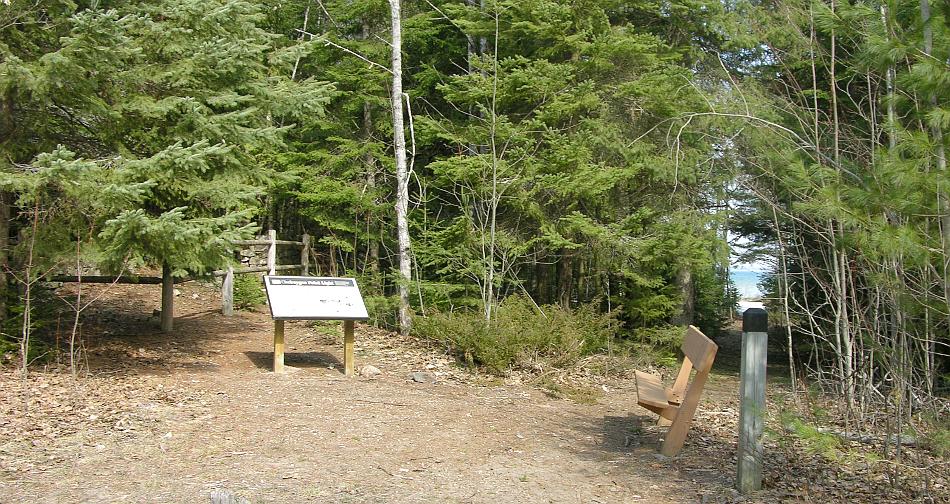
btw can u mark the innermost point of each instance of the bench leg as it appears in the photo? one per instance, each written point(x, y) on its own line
point(673, 442)
point(684, 417)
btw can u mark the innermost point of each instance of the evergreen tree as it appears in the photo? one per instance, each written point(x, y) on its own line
point(174, 102)
point(559, 162)
point(337, 168)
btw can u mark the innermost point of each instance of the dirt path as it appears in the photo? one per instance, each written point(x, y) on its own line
point(168, 418)
point(205, 412)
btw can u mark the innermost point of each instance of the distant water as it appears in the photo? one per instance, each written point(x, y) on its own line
point(747, 282)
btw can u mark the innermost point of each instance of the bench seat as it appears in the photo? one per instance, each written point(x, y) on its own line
point(650, 390)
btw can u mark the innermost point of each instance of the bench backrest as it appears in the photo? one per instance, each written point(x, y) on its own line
point(699, 352)
point(699, 349)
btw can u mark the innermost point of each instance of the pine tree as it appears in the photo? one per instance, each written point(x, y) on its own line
point(547, 186)
point(336, 167)
point(175, 102)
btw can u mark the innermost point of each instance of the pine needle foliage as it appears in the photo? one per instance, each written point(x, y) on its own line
point(166, 106)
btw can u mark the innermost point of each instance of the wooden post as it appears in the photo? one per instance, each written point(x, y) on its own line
point(755, 325)
point(272, 252)
point(348, 347)
point(305, 255)
point(227, 293)
point(168, 298)
point(278, 346)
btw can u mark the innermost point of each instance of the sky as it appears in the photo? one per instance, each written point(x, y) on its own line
point(736, 243)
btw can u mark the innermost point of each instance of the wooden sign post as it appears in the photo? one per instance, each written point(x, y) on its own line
point(755, 327)
point(348, 341)
point(278, 346)
point(314, 298)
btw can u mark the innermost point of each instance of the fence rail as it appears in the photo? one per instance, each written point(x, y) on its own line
point(227, 286)
point(267, 242)
point(106, 279)
point(257, 269)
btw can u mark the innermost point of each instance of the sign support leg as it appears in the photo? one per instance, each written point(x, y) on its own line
point(278, 346)
point(348, 347)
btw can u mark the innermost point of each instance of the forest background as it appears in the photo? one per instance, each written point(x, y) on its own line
point(576, 172)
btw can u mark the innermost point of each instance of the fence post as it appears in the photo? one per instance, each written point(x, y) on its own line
point(272, 252)
point(227, 293)
point(305, 255)
point(755, 326)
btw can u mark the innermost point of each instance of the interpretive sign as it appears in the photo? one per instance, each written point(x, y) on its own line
point(314, 298)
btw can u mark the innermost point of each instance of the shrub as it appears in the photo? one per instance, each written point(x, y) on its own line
point(716, 298)
point(248, 292)
point(520, 335)
point(814, 441)
point(661, 343)
point(44, 314)
point(938, 437)
point(383, 311)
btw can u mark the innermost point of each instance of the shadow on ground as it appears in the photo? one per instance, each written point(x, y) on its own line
point(120, 332)
point(621, 433)
point(265, 360)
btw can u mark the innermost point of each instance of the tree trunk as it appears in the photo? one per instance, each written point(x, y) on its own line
point(402, 175)
point(369, 162)
point(472, 49)
point(495, 197)
point(7, 125)
point(306, 20)
point(540, 282)
point(783, 291)
point(842, 271)
point(483, 41)
point(4, 248)
point(684, 281)
point(168, 298)
point(943, 206)
point(565, 282)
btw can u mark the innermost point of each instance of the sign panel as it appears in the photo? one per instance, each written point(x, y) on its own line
point(314, 298)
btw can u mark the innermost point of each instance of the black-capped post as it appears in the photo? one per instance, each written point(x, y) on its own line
point(755, 327)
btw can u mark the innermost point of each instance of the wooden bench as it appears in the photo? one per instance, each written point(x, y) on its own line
point(677, 405)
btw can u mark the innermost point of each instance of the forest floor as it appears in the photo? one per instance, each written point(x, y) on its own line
point(172, 417)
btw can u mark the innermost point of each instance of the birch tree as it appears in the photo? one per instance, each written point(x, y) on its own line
point(402, 172)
